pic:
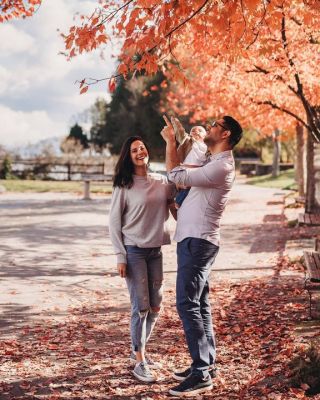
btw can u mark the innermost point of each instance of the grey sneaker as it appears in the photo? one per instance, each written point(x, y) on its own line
point(143, 373)
point(152, 364)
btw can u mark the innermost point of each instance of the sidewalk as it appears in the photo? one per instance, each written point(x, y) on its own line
point(65, 310)
point(55, 249)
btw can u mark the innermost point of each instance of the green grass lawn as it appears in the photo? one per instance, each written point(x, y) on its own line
point(17, 185)
point(284, 181)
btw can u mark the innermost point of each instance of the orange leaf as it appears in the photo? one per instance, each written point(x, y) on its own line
point(84, 89)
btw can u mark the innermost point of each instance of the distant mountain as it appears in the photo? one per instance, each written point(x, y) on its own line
point(43, 147)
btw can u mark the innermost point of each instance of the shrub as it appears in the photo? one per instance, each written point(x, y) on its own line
point(305, 370)
point(5, 172)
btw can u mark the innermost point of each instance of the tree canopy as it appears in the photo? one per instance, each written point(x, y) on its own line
point(76, 132)
point(10, 9)
point(251, 57)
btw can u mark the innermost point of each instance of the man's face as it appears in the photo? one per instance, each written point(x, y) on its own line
point(215, 133)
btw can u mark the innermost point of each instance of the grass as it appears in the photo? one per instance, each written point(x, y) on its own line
point(17, 185)
point(285, 180)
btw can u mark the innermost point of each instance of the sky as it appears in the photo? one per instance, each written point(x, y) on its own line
point(38, 95)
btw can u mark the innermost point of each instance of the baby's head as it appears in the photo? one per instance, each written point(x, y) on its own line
point(198, 133)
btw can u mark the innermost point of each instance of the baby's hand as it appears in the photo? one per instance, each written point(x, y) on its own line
point(179, 131)
point(177, 126)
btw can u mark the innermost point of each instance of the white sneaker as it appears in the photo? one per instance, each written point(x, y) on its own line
point(152, 364)
point(143, 373)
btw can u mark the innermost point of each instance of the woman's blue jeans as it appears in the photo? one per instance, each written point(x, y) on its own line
point(144, 280)
point(195, 258)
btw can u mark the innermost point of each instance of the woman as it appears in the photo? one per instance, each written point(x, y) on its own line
point(139, 209)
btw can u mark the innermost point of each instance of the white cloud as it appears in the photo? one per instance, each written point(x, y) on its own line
point(14, 41)
point(37, 81)
point(18, 127)
point(11, 83)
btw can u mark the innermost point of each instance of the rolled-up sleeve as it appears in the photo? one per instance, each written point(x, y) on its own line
point(206, 176)
point(171, 191)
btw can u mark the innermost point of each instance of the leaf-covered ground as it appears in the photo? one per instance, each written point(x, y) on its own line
point(86, 356)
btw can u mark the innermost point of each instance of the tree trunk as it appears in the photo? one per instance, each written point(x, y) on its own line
point(310, 191)
point(299, 167)
point(276, 154)
point(316, 164)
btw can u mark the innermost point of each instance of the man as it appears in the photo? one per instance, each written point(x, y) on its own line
point(197, 234)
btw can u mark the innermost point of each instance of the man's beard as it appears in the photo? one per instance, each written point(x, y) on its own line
point(209, 141)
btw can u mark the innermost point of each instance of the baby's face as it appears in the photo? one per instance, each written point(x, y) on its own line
point(198, 133)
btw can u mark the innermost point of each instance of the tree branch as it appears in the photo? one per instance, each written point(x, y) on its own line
point(277, 77)
point(312, 40)
point(171, 52)
point(314, 121)
point(258, 27)
point(284, 110)
point(179, 26)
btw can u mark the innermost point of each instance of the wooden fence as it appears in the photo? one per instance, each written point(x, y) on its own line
point(56, 170)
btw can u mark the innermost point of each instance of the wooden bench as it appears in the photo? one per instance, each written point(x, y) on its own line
point(87, 178)
point(309, 219)
point(312, 282)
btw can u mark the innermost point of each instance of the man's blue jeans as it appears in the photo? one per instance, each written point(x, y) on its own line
point(195, 258)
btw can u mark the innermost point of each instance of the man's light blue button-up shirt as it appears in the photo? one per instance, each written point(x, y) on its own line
point(200, 214)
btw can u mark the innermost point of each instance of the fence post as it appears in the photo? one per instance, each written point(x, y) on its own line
point(86, 194)
point(69, 171)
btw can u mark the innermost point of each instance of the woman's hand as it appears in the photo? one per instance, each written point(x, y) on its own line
point(122, 269)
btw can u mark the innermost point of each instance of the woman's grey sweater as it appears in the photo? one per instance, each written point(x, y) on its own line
point(138, 214)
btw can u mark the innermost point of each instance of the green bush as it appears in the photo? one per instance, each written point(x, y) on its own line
point(305, 369)
point(5, 172)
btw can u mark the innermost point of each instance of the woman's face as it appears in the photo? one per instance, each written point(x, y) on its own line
point(139, 154)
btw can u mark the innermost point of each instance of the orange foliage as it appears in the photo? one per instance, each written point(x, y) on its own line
point(249, 57)
point(17, 9)
point(214, 45)
point(274, 84)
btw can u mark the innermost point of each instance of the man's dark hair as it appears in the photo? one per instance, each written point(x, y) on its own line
point(124, 169)
point(235, 128)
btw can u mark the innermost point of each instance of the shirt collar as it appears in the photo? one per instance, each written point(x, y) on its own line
point(223, 154)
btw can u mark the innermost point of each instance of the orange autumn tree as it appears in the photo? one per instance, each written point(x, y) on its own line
point(10, 9)
point(276, 86)
point(175, 35)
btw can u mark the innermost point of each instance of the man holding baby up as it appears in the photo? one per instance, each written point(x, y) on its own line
point(197, 234)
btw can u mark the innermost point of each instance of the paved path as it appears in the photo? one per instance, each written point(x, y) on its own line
point(55, 251)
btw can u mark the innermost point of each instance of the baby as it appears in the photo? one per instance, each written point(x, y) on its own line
point(191, 150)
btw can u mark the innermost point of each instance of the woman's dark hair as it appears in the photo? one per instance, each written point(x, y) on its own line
point(124, 169)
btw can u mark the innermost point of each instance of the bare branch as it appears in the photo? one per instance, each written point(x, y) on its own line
point(277, 77)
point(174, 57)
point(311, 38)
point(276, 107)
point(258, 27)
